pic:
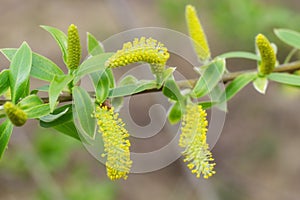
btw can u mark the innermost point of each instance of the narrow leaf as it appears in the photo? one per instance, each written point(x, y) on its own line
point(4, 81)
point(240, 54)
point(171, 90)
point(56, 87)
point(84, 108)
point(34, 107)
point(289, 37)
point(236, 85)
point(38, 111)
point(91, 65)
point(166, 74)
point(62, 120)
point(30, 101)
point(102, 88)
point(207, 104)
point(289, 79)
point(94, 47)
point(61, 39)
point(58, 116)
point(128, 80)
point(68, 128)
point(261, 84)
point(42, 68)
point(132, 89)
point(210, 78)
point(5, 132)
point(175, 113)
point(19, 72)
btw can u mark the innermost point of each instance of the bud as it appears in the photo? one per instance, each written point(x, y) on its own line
point(116, 143)
point(17, 116)
point(193, 139)
point(197, 34)
point(141, 50)
point(74, 48)
point(267, 54)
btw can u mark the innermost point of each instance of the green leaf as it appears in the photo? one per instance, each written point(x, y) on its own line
point(260, 84)
point(5, 132)
point(91, 65)
point(44, 88)
point(42, 68)
point(58, 116)
point(289, 79)
point(4, 81)
point(38, 111)
point(68, 128)
point(34, 107)
point(56, 87)
point(19, 72)
point(102, 88)
point(240, 54)
point(166, 74)
point(175, 113)
point(171, 90)
point(211, 76)
point(84, 108)
point(111, 77)
point(94, 47)
point(131, 89)
point(62, 120)
point(30, 101)
point(207, 104)
point(236, 85)
point(289, 37)
point(61, 39)
point(128, 80)
point(117, 103)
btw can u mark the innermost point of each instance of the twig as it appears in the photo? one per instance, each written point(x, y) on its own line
point(284, 68)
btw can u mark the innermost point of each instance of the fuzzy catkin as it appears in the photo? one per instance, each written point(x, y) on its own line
point(267, 54)
point(17, 116)
point(197, 33)
point(193, 140)
point(73, 48)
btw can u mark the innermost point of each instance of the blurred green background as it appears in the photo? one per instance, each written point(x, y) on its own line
point(256, 155)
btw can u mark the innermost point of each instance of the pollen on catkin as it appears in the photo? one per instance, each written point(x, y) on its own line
point(267, 54)
point(116, 143)
point(17, 116)
point(141, 50)
point(193, 139)
point(73, 48)
point(197, 33)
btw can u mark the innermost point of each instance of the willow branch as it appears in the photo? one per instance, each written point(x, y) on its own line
point(284, 68)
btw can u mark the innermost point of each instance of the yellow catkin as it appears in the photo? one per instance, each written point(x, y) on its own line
point(116, 143)
point(17, 116)
point(197, 34)
point(267, 54)
point(141, 50)
point(193, 139)
point(73, 48)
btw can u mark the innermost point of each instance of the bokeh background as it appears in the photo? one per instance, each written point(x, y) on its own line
point(256, 155)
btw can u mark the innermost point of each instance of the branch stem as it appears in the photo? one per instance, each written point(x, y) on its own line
point(284, 68)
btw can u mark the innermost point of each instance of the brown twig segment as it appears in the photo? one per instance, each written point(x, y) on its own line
point(285, 68)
